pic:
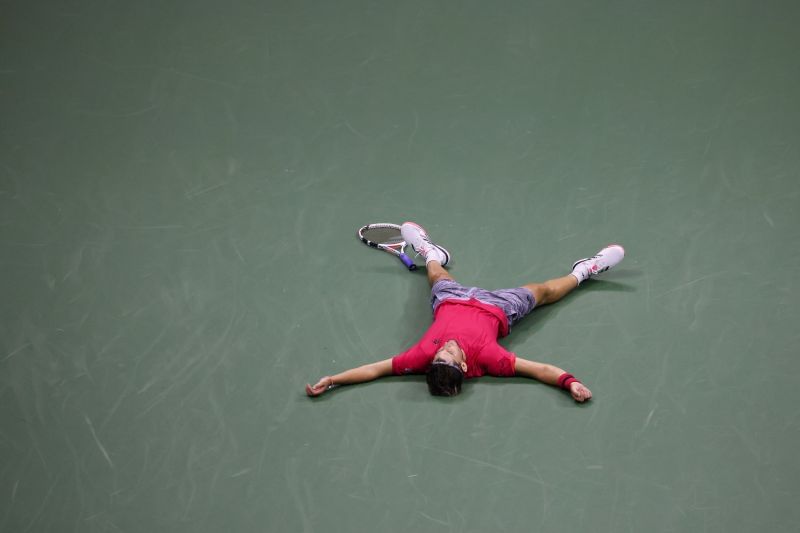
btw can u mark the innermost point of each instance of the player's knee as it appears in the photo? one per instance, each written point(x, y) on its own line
point(541, 292)
point(439, 277)
point(444, 380)
point(549, 294)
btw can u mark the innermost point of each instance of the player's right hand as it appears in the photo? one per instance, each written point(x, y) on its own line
point(322, 386)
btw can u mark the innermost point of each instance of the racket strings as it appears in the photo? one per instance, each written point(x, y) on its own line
point(385, 236)
point(389, 238)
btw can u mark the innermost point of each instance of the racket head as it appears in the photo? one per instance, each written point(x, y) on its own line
point(387, 237)
point(382, 234)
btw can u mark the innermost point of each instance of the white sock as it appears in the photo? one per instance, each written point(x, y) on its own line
point(581, 272)
point(434, 254)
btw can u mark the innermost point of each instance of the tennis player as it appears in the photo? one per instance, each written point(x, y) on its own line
point(467, 321)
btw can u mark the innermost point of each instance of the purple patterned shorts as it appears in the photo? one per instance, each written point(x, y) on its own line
point(515, 303)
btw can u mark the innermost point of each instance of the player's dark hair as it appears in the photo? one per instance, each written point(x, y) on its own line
point(444, 380)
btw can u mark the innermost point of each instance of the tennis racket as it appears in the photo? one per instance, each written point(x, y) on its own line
point(386, 237)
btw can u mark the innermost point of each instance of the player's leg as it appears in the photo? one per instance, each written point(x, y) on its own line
point(553, 290)
point(436, 272)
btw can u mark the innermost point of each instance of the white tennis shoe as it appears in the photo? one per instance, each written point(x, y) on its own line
point(417, 237)
point(607, 258)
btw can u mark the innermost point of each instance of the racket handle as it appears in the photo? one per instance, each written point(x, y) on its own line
point(407, 262)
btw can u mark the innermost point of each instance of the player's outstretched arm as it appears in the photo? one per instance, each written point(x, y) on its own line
point(552, 375)
point(352, 376)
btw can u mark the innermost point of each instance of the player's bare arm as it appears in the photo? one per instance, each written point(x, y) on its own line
point(552, 375)
point(349, 377)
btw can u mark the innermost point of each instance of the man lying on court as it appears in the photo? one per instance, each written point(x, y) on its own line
point(462, 341)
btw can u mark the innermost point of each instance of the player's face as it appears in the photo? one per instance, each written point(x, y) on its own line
point(452, 353)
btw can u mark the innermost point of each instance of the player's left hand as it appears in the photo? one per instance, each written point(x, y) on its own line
point(580, 392)
point(323, 385)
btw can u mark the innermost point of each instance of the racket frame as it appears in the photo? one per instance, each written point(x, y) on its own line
point(396, 249)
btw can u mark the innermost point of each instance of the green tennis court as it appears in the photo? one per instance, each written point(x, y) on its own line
point(180, 187)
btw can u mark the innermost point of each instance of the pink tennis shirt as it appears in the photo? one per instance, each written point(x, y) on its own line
point(475, 326)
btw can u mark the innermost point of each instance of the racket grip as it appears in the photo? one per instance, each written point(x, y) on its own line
point(407, 262)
